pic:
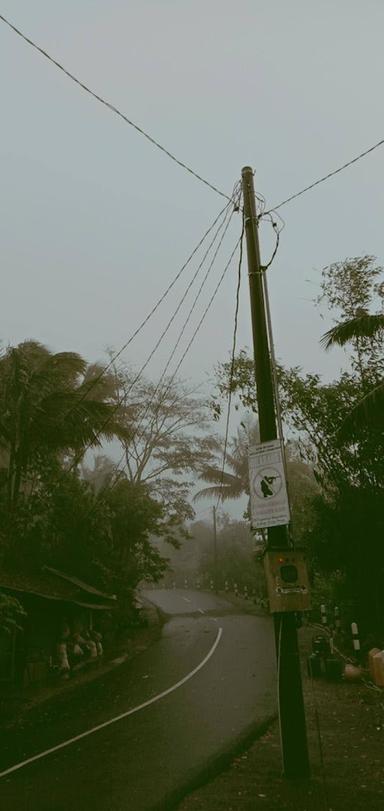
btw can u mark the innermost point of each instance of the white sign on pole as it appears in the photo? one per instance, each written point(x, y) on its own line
point(268, 489)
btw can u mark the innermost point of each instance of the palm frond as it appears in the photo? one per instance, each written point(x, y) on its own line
point(63, 368)
point(224, 493)
point(97, 383)
point(65, 421)
point(214, 475)
point(368, 412)
point(363, 326)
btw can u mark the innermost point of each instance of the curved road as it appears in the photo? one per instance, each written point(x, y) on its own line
point(132, 739)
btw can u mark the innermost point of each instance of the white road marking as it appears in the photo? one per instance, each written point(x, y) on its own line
point(121, 716)
point(186, 599)
point(201, 610)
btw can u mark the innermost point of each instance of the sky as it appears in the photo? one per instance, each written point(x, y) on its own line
point(95, 221)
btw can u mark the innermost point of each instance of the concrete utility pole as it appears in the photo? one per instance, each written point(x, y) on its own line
point(214, 547)
point(291, 705)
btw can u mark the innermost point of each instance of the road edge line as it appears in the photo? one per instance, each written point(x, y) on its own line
point(117, 718)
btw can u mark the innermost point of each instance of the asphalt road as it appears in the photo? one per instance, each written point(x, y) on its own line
point(179, 706)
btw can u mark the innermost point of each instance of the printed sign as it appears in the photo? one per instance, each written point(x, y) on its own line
point(268, 490)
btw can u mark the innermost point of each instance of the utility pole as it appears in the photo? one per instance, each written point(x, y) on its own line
point(214, 548)
point(293, 734)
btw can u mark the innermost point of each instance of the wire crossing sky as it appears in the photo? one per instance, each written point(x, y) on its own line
point(111, 107)
point(93, 224)
point(162, 148)
point(326, 177)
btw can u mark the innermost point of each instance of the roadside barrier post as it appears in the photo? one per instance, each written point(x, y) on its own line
point(336, 612)
point(356, 640)
point(323, 612)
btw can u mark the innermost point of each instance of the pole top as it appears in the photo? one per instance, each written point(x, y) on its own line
point(246, 170)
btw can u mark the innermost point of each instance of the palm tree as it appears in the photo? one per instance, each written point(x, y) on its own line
point(301, 480)
point(223, 483)
point(369, 410)
point(51, 404)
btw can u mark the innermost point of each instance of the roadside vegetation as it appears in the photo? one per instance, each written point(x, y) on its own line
point(336, 432)
point(64, 502)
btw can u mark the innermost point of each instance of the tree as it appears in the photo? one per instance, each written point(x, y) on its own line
point(11, 613)
point(167, 424)
point(134, 517)
point(168, 439)
point(51, 405)
point(301, 480)
point(236, 554)
point(345, 527)
point(227, 484)
point(351, 288)
point(98, 525)
point(100, 535)
point(369, 410)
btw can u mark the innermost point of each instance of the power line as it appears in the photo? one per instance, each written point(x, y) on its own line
point(326, 177)
point(276, 248)
point(173, 316)
point(197, 330)
point(187, 320)
point(112, 108)
point(123, 398)
point(201, 321)
point(205, 313)
point(117, 354)
point(232, 362)
point(147, 406)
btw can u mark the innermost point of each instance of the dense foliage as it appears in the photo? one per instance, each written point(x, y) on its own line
point(341, 439)
point(97, 522)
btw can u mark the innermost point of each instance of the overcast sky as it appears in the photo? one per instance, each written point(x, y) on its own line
point(95, 222)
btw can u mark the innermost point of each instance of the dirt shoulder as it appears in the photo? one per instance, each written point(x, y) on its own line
point(350, 720)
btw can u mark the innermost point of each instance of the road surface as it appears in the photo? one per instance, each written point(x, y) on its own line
point(134, 738)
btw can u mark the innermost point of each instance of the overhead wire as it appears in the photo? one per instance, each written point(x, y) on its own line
point(89, 386)
point(274, 252)
point(147, 406)
point(188, 318)
point(122, 399)
point(277, 231)
point(200, 323)
point(326, 177)
point(112, 107)
point(163, 149)
point(233, 355)
point(205, 313)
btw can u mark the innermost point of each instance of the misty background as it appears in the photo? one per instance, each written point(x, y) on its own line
point(95, 221)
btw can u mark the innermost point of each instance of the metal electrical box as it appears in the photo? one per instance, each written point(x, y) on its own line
point(287, 580)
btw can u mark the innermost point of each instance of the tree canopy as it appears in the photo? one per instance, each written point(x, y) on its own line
point(337, 430)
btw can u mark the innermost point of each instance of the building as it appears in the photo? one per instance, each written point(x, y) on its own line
point(57, 606)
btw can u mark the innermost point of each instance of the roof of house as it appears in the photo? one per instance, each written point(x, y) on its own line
point(80, 583)
point(51, 584)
